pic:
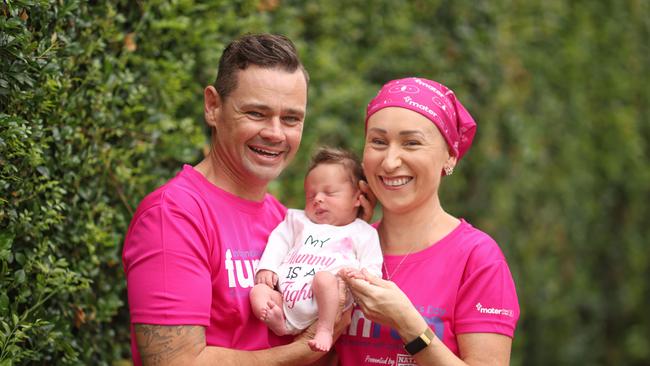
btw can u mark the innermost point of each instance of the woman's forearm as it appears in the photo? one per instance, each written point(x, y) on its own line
point(410, 325)
point(476, 349)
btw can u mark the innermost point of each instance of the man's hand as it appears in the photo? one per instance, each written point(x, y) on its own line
point(266, 277)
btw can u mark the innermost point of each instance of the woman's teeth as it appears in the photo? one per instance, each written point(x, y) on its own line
point(394, 182)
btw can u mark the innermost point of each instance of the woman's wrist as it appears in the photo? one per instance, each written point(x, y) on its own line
point(411, 326)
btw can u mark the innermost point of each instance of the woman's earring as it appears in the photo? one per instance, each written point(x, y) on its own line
point(449, 170)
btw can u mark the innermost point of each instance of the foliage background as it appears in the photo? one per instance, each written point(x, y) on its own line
point(101, 101)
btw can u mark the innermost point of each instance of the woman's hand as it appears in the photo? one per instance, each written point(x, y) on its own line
point(383, 302)
point(368, 202)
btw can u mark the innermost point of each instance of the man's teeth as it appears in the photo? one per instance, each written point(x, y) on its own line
point(265, 152)
point(394, 182)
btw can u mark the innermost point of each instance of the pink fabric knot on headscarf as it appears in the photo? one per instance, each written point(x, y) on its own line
point(434, 101)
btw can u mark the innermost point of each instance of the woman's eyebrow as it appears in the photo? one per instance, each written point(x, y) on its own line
point(411, 132)
point(378, 130)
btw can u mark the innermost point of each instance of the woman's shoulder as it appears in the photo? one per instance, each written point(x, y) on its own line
point(477, 243)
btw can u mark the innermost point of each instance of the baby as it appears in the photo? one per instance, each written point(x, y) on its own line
point(306, 250)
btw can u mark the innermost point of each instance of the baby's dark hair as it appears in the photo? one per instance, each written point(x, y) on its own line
point(330, 155)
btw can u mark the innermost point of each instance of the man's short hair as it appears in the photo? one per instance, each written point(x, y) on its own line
point(263, 50)
point(349, 161)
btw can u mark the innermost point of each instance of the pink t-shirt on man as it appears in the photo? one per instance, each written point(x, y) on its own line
point(461, 284)
point(190, 256)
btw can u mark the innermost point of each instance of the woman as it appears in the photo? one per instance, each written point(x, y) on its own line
point(448, 297)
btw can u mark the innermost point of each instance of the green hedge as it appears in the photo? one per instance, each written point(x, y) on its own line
point(101, 101)
point(98, 107)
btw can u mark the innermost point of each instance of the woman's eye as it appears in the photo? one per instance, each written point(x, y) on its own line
point(377, 141)
point(412, 143)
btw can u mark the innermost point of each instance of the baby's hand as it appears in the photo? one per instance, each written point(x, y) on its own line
point(266, 277)
point(349, 272)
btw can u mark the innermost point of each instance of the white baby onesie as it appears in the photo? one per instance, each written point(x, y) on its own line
point(298, 248)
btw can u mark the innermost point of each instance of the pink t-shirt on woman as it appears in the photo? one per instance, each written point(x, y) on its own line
point(461, 284)
point(190, 256)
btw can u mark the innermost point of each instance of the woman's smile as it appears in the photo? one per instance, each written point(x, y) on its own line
point(395, 182)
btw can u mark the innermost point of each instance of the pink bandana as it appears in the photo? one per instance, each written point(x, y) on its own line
point(434, 101)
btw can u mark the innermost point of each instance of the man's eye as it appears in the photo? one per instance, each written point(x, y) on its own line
point(254, 114)
point(292, 120)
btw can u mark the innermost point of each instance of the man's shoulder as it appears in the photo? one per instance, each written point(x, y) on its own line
point(164, 195)
point(274, 207)
point(188, 192)
point(178, 192)
point(272, 200)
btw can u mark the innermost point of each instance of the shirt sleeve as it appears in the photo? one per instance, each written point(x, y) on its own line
point(487, 299)
point(369, 250)
point(167, 267)
point(278, 245)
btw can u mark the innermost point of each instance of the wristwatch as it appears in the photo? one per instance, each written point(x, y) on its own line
point(420, 342)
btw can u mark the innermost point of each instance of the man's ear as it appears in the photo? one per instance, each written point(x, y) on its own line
point(211, 106)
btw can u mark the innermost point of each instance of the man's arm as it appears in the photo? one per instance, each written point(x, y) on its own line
point(161, 345)
point(185, 345)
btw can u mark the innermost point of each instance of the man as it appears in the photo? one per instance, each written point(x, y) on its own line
point(192, 246)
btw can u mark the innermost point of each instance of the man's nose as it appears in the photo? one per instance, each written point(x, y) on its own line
point(273, 131)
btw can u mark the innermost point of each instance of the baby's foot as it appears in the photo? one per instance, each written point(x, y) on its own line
point(322, 341)
point(274, 319)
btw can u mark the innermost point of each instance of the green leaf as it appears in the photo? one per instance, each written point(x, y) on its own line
point(20, 276)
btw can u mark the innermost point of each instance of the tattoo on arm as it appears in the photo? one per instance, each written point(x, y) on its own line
point(165, 345)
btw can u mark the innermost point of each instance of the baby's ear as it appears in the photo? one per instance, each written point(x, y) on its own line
point(361, 211)
point(357, 198)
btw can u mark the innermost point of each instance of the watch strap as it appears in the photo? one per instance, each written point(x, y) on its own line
point(420, 342)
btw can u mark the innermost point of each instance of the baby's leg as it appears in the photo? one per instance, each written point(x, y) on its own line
point(326, 292)
point(267, 306)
